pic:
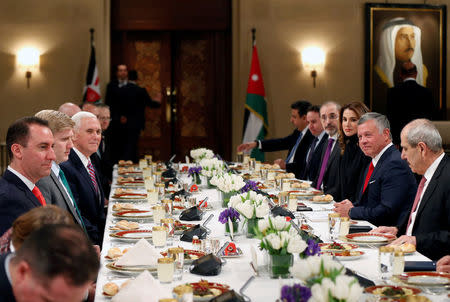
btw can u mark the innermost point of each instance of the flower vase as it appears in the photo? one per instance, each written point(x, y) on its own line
point(252, 223)
point(235, 227)
point(226, 198)
point(210, 186)
point(279, 265)
point(197, 179)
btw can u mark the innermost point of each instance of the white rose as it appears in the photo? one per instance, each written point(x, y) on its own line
point(262, 210)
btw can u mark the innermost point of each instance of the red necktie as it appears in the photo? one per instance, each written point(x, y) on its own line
point(38, 195)
point(416, 200)
point(369, 173)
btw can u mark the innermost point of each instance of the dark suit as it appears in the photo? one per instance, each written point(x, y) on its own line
point(6, 293)
point(287, 143)
point(100, 166)
point(331, 177)
point(128, 101)
point(90, 203)
point(54, 193)
point(432, 224)
point(407, 101)
point(15, 200)
point(312, 168)
point(390, 191)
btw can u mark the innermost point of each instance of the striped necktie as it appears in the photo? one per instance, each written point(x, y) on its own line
point(63, 179)
point(92, 175)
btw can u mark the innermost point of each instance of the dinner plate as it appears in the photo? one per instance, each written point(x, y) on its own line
point(377, 290)
point(132, 235)
point(134, 214)
point(325, 247)
point(425, 278)
point(194, 255)
point(370, 237)
point(342, 255)
point(130, 196)
point(130, 269)
point(217, 288)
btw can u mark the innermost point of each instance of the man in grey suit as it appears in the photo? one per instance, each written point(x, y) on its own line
point(54, 187)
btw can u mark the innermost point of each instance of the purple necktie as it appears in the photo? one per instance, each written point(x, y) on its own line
point(324, 163)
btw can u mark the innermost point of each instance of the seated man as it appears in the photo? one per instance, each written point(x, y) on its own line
point(82, 176)
point(328, 169)
point(387, 191)
point(55, 263)
point(29, 143)
point(297, 143)
point(427, 225)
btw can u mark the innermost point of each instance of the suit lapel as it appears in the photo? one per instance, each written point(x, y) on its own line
point(431, 186)
point(12, 178)
point(64, 194)
point(82, 170)
point(333, 155)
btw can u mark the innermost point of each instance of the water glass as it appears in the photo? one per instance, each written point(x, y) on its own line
point(177, 253)
point(386, 262)
point(334, 224)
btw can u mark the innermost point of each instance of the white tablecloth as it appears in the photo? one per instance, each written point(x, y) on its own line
point(237, 270)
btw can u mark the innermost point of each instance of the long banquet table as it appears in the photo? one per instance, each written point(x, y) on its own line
point(237, 270)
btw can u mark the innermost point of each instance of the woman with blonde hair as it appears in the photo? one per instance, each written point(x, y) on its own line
point(353, 161)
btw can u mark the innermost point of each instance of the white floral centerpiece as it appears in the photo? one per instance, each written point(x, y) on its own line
point(252, 206)
point(201, 153)
point(281, 242)
point(327, 279)
point(228, 184)
point(211, 167)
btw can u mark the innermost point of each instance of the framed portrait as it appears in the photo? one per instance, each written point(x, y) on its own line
point(406, 58)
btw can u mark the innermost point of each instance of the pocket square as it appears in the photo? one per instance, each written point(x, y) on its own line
point(371, 182)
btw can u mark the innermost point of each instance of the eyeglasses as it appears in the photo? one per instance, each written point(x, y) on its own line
point(330, 117)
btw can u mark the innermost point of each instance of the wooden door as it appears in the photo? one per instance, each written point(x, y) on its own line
point(190, 70)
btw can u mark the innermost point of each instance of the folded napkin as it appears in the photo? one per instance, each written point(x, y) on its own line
point(142, 253)
point(142, 289)
point(412, 266)
point(317, 216)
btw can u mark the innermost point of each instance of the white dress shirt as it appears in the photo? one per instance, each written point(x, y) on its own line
point(428, 175)
point(377, 158)
point(30, 185)
point(83, 159)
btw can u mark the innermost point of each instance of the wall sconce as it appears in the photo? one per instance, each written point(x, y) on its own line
point(28, 59)
point(313, 58)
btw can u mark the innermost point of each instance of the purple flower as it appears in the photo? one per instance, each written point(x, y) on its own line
point(296, 293)
point(312, 249)
point(250, 185)
point(230, 212)
point(195, 170)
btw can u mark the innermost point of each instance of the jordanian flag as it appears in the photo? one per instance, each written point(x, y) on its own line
point(91, 92)
point(255, 119)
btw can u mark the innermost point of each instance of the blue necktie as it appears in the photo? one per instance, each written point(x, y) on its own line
point(295, 147)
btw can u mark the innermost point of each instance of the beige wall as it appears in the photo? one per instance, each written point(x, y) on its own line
point(60, 30)
point(283, 27)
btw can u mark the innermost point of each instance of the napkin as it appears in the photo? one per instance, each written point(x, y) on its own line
point(317, 216)
point(142, 253)
point(142, 289)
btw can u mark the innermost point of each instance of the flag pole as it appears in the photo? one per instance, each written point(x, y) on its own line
point(92, 36)
point(253, 36)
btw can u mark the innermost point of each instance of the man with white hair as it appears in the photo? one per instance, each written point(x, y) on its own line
point(428, 224)
point(387, 190)
point(82, 176)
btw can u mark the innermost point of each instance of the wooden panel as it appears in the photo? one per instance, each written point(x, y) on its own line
point(170, 15)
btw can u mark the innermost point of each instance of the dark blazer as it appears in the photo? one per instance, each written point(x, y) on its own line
point(432, 224)
point(407, 101)
point(331, 177)
point(6, 293)
point(312, 168)
point(90, 203)
point(15, 200)
point(351, 169)
point(54, 193)
point(287, 143)
point(100, 166)
point(389, 194)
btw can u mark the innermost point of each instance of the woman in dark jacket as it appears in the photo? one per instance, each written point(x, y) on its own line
point(353, 161)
